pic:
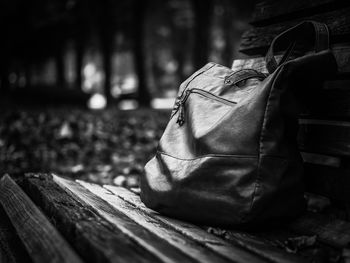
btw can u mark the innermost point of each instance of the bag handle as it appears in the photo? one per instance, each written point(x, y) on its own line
point(243, 74)
point(307, 31)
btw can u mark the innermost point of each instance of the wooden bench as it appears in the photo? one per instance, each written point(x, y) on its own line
point(52, 219)
point(46, 218)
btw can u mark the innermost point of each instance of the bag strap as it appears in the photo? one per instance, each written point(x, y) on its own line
point(307, 31)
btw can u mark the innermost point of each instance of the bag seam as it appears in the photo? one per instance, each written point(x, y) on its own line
point(258, 177)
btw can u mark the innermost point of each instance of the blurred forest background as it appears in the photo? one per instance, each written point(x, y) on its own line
point(82, 82)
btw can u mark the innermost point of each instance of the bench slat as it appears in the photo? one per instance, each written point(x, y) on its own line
point(325, 137)
point(93, 237)
point(41, 239)
point(340, 51)
point(97, 200)
point(212, 242)
point(176, 239)
point(320, 159)
point(268, 11)
point(11, 248)
point(257, 39)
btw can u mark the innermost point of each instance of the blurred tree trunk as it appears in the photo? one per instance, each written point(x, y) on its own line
point(3, 60)
point(231, 35)
point(4, 79)
point(27, 72)
point(60, 80)
point(235, 22)
point(180, 55)
point(180, 37)
point(107, 66)
point(80, 34)
point(203, 13)
point(79, 63)
point(143, 97)
point(82, 11)
point(106, 26)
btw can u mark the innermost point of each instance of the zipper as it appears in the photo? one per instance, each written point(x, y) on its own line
point(181, 104)
point(195, 76)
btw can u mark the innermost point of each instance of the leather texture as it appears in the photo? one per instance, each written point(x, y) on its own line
point(229, 155)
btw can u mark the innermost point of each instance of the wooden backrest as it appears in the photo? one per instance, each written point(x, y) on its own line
point(324, 135)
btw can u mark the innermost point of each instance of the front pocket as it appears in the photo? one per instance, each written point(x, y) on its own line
point(181, 104)
point(202, 112)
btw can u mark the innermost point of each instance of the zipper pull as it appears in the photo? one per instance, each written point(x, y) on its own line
point(181, 116)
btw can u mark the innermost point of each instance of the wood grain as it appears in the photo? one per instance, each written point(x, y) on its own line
point(257, 39)
point(195, 250)
point(39, 236)
point(141, 236)
point(11, 247)
point(93, 237)
point(270, 11)
point(256, 246)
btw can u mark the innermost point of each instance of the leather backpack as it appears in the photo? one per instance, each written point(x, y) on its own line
point(229, 154)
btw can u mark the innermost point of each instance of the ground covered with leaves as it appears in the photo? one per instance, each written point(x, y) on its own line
point(107, 147)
